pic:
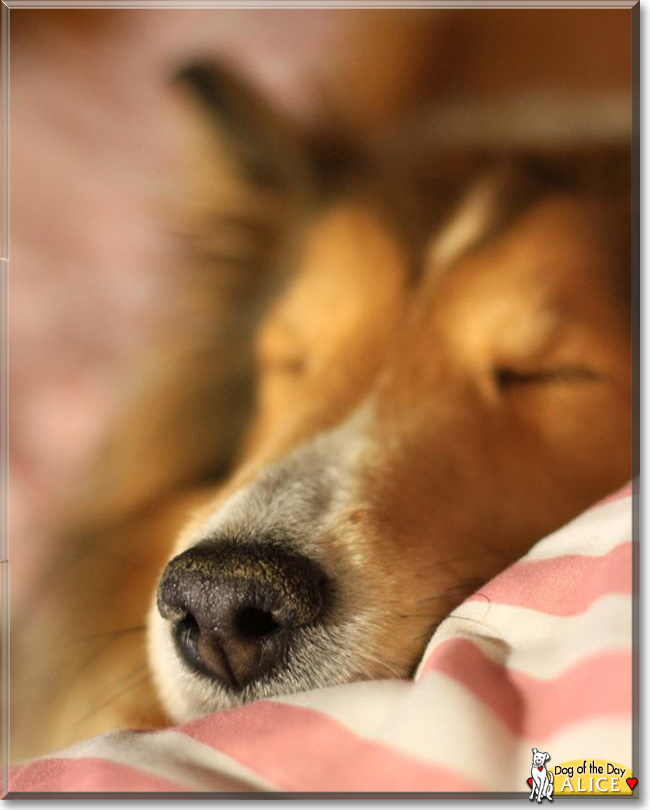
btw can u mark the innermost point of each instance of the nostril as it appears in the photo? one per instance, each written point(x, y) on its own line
point(187, 633)
point(252, 623)
point(188, 629)
point(235, 611)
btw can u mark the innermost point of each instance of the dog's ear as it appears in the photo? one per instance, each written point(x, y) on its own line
point(504, 191)
point(546, 757)
point(256, 139)
point(534, 750)
point(487, 205)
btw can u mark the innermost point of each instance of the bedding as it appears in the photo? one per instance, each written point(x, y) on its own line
point(541, 656)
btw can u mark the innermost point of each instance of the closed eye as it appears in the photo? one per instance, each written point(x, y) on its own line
point(507, 378)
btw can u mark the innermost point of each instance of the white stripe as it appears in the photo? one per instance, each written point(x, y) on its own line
point(537, 643)
point(172, 755)
point(439, 721)
point(608, 739)
point(436, 720)
point(421, 720)
point(594, 533)
point(360, 707)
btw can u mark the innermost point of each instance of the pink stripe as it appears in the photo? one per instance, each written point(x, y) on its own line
point(561, 586)
point(299, 749)
point(599, 686)
point(84, 774)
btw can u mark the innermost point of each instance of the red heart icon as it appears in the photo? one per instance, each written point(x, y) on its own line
point(540, 767)
point(631, 782)
point(530, 781)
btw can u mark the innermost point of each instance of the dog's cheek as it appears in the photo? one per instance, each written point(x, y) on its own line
point(377, 588)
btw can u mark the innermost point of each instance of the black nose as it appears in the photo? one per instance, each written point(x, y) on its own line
point(234, 608)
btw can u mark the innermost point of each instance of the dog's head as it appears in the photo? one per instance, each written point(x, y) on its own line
point(434, 393)
point(539, 758)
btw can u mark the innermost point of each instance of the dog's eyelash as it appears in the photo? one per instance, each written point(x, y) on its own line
point(507, 377)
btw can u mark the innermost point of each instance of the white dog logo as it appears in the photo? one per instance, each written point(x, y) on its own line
point(542, 779)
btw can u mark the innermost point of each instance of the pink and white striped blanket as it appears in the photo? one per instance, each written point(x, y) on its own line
point(540, 657)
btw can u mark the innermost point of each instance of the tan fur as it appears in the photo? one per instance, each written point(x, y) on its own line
point(461, 477)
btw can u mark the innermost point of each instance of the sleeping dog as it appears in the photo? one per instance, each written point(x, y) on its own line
point(435, 389)
point(431, 398)
point(393, 370)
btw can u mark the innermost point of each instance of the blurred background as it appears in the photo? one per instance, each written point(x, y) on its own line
point(97, 146)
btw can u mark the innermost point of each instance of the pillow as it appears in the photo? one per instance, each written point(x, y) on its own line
point(541, 656)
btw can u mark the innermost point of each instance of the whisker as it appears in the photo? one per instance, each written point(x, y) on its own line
point(391, 666)
point(421, 615)
point(470, 619)
point(116, 696)
point(466, 587)
point(93, 657)
point(466, 557)
point(440, 617)
point(134, 671)
point(115, 633)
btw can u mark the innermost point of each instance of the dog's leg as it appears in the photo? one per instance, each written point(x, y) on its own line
point(549, 788)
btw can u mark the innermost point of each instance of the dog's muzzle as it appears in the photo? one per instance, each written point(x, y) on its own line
point(235, 609)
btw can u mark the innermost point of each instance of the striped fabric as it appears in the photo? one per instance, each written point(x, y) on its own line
point(540, 657)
